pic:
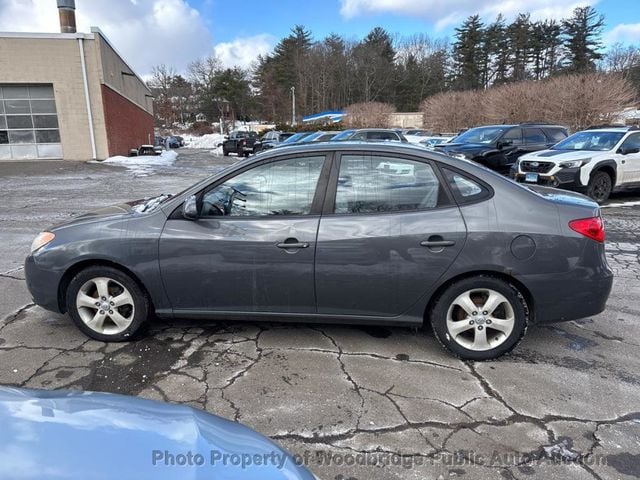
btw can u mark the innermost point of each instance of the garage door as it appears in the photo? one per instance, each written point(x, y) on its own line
point(28, 123)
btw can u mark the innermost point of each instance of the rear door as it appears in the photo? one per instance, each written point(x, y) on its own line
point(389, 230)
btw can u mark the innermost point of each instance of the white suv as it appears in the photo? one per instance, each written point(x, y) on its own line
point(595, 161)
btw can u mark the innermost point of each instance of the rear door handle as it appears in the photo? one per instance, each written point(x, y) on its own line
point(437, 243)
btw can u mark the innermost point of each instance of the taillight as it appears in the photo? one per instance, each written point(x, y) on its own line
point(592, 228)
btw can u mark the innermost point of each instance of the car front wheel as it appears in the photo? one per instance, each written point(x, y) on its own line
point(600, 186)
point(106, 304)
point(480, 318)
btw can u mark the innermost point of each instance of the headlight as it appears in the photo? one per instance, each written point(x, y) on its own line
point(574, 163)
point(41, 240)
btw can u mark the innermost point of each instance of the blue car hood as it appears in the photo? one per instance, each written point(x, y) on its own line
point(85, 435)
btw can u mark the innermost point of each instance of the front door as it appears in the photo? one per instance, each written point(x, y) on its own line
point(252, 248)
point(630, 162)
point(390, 233)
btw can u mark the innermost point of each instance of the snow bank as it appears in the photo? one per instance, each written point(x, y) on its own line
point(143, 165)
point(211, 141)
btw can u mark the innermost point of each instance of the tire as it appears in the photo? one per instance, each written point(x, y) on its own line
point(225, 152)
point(483, 336)
point(89, 312)
point(600, 186)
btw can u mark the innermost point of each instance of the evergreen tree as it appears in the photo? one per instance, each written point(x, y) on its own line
point(468, 54)
point(583, 39)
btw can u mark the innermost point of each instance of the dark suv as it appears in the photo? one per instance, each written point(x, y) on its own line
point(499, 146)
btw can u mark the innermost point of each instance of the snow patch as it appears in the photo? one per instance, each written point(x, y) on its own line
point(143, 165)
point(210, 141)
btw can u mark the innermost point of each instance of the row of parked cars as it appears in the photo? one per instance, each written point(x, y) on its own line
point(596, 161)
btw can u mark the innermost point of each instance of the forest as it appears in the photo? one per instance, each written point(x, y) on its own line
point(406, 73)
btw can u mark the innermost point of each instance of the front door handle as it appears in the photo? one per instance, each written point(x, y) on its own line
point(438, 243)
point(292, 243)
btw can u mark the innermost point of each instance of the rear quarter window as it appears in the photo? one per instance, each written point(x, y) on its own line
point(465, 188)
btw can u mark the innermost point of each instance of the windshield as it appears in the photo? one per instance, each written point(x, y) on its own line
point(591, 141)
point(484, 135)
point(343, 135)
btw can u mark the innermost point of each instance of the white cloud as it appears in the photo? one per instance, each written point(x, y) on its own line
point(452, 12)
point(624, 33)
point(242, 51)
point(145, 32)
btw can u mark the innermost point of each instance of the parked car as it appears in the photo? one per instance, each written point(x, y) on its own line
point(349, 232)
point(499, 146)
point(596, 162)
point(321, 136)
point(57, 434)
point(416, 136)
point(240, 142)
point(432, 141)
point(293, 139)
point(159, 141)
point(173, 142)
point(180, 140)
point(271, 139)
point(370, 134)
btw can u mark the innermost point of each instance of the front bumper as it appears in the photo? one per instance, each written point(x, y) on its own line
point(43, 285)
point(565, 178)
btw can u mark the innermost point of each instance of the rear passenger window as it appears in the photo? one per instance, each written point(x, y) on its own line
point(465, 189)
point(534, 135)
point(374, 184)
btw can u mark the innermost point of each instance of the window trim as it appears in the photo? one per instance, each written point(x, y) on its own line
point(328, 208)
point(318, 196)
point(457, 197)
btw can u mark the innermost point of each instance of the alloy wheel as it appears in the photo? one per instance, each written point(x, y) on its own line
point(480, 319)
point(105, 305)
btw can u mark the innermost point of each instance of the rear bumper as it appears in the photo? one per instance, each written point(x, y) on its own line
point(43, 285)
point(575, 295)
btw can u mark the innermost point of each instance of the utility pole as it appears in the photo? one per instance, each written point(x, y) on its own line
point(293, 106)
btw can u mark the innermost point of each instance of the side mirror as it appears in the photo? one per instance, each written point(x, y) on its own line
point(628, 150)
point(190, 208)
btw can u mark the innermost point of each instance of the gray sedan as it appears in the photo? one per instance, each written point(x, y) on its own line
point(355, 233)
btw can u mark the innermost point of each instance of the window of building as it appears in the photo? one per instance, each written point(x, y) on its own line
point(28, 123)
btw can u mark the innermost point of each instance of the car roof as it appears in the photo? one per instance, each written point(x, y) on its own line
point(609, 129)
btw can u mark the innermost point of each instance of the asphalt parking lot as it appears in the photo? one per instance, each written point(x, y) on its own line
point(357, 402)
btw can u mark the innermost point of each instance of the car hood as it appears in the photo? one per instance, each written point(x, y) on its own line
point(104, 213)
point(557, 155)
point(55, 434)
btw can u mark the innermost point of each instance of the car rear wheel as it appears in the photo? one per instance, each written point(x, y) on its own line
point(106, 304)
point(225, 152)
point(600, 186)
point(480, 318)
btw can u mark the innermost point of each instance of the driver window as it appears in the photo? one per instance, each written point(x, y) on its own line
point(632, 141)
point(285, 187)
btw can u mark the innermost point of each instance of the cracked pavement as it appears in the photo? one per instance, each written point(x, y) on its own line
point(565, 404)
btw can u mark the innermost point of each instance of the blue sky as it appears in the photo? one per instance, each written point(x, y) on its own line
point(175, 32)
point(322, 17)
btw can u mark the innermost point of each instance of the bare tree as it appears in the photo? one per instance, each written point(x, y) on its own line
point(454, 111)
point(369, 114)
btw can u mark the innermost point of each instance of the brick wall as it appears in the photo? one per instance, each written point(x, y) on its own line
point(128, 126)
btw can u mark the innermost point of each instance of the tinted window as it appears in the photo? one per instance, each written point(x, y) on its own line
point(534, 135)
point(465, 189)
point(514, 136)
point(555, 134)
point(371, 184)
point(383, 136)
point(286, 187)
